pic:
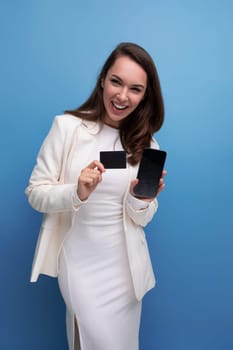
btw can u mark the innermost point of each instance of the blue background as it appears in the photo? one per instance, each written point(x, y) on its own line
point(51, 53)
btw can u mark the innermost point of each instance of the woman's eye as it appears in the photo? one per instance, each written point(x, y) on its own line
point(115, 82)
point(135, 89)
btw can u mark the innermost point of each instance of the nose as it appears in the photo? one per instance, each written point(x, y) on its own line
point(123, 94)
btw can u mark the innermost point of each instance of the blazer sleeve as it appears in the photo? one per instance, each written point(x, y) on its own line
point(141, 216)
point(46, 193)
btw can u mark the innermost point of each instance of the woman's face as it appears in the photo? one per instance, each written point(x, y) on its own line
point(123, 89)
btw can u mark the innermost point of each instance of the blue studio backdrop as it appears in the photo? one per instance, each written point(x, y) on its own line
point(51, 53)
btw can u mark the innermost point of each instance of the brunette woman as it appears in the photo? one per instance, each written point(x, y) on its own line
point(92, 233)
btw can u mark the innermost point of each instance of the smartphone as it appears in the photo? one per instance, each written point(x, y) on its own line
point(149, 172)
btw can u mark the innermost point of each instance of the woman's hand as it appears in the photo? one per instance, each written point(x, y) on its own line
point(89, 178)
point(160, 189)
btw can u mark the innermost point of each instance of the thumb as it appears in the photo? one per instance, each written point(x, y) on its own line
point(132, 185)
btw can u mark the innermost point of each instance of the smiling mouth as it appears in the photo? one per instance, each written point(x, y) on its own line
point(119, 107)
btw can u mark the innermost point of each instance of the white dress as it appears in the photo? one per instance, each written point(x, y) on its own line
point(94, 275)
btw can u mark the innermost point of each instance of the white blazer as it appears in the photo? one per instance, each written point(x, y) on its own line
point(50, 192)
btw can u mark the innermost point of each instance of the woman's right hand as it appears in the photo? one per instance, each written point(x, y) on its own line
point(89, 178)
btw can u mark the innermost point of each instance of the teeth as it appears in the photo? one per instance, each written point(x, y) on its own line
point(119, 106)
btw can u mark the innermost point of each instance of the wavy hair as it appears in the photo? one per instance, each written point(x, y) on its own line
point(137, 129)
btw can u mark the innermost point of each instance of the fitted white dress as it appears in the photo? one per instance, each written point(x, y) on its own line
point(94, 276)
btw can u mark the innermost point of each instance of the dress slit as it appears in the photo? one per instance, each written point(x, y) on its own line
point(77, 345)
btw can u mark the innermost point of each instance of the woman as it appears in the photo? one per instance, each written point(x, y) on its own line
point(91, 235)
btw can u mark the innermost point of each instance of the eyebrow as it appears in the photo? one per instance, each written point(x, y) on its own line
point(133, 85)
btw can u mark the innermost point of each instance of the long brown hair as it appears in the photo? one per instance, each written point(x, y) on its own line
point(137, 129)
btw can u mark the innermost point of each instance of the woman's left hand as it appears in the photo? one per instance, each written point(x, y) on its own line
point(160, 189)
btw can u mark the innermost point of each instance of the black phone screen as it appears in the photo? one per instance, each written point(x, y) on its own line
point(149, 172)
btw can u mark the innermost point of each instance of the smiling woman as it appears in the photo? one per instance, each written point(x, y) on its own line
point(123, 89)
point(92, 237)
